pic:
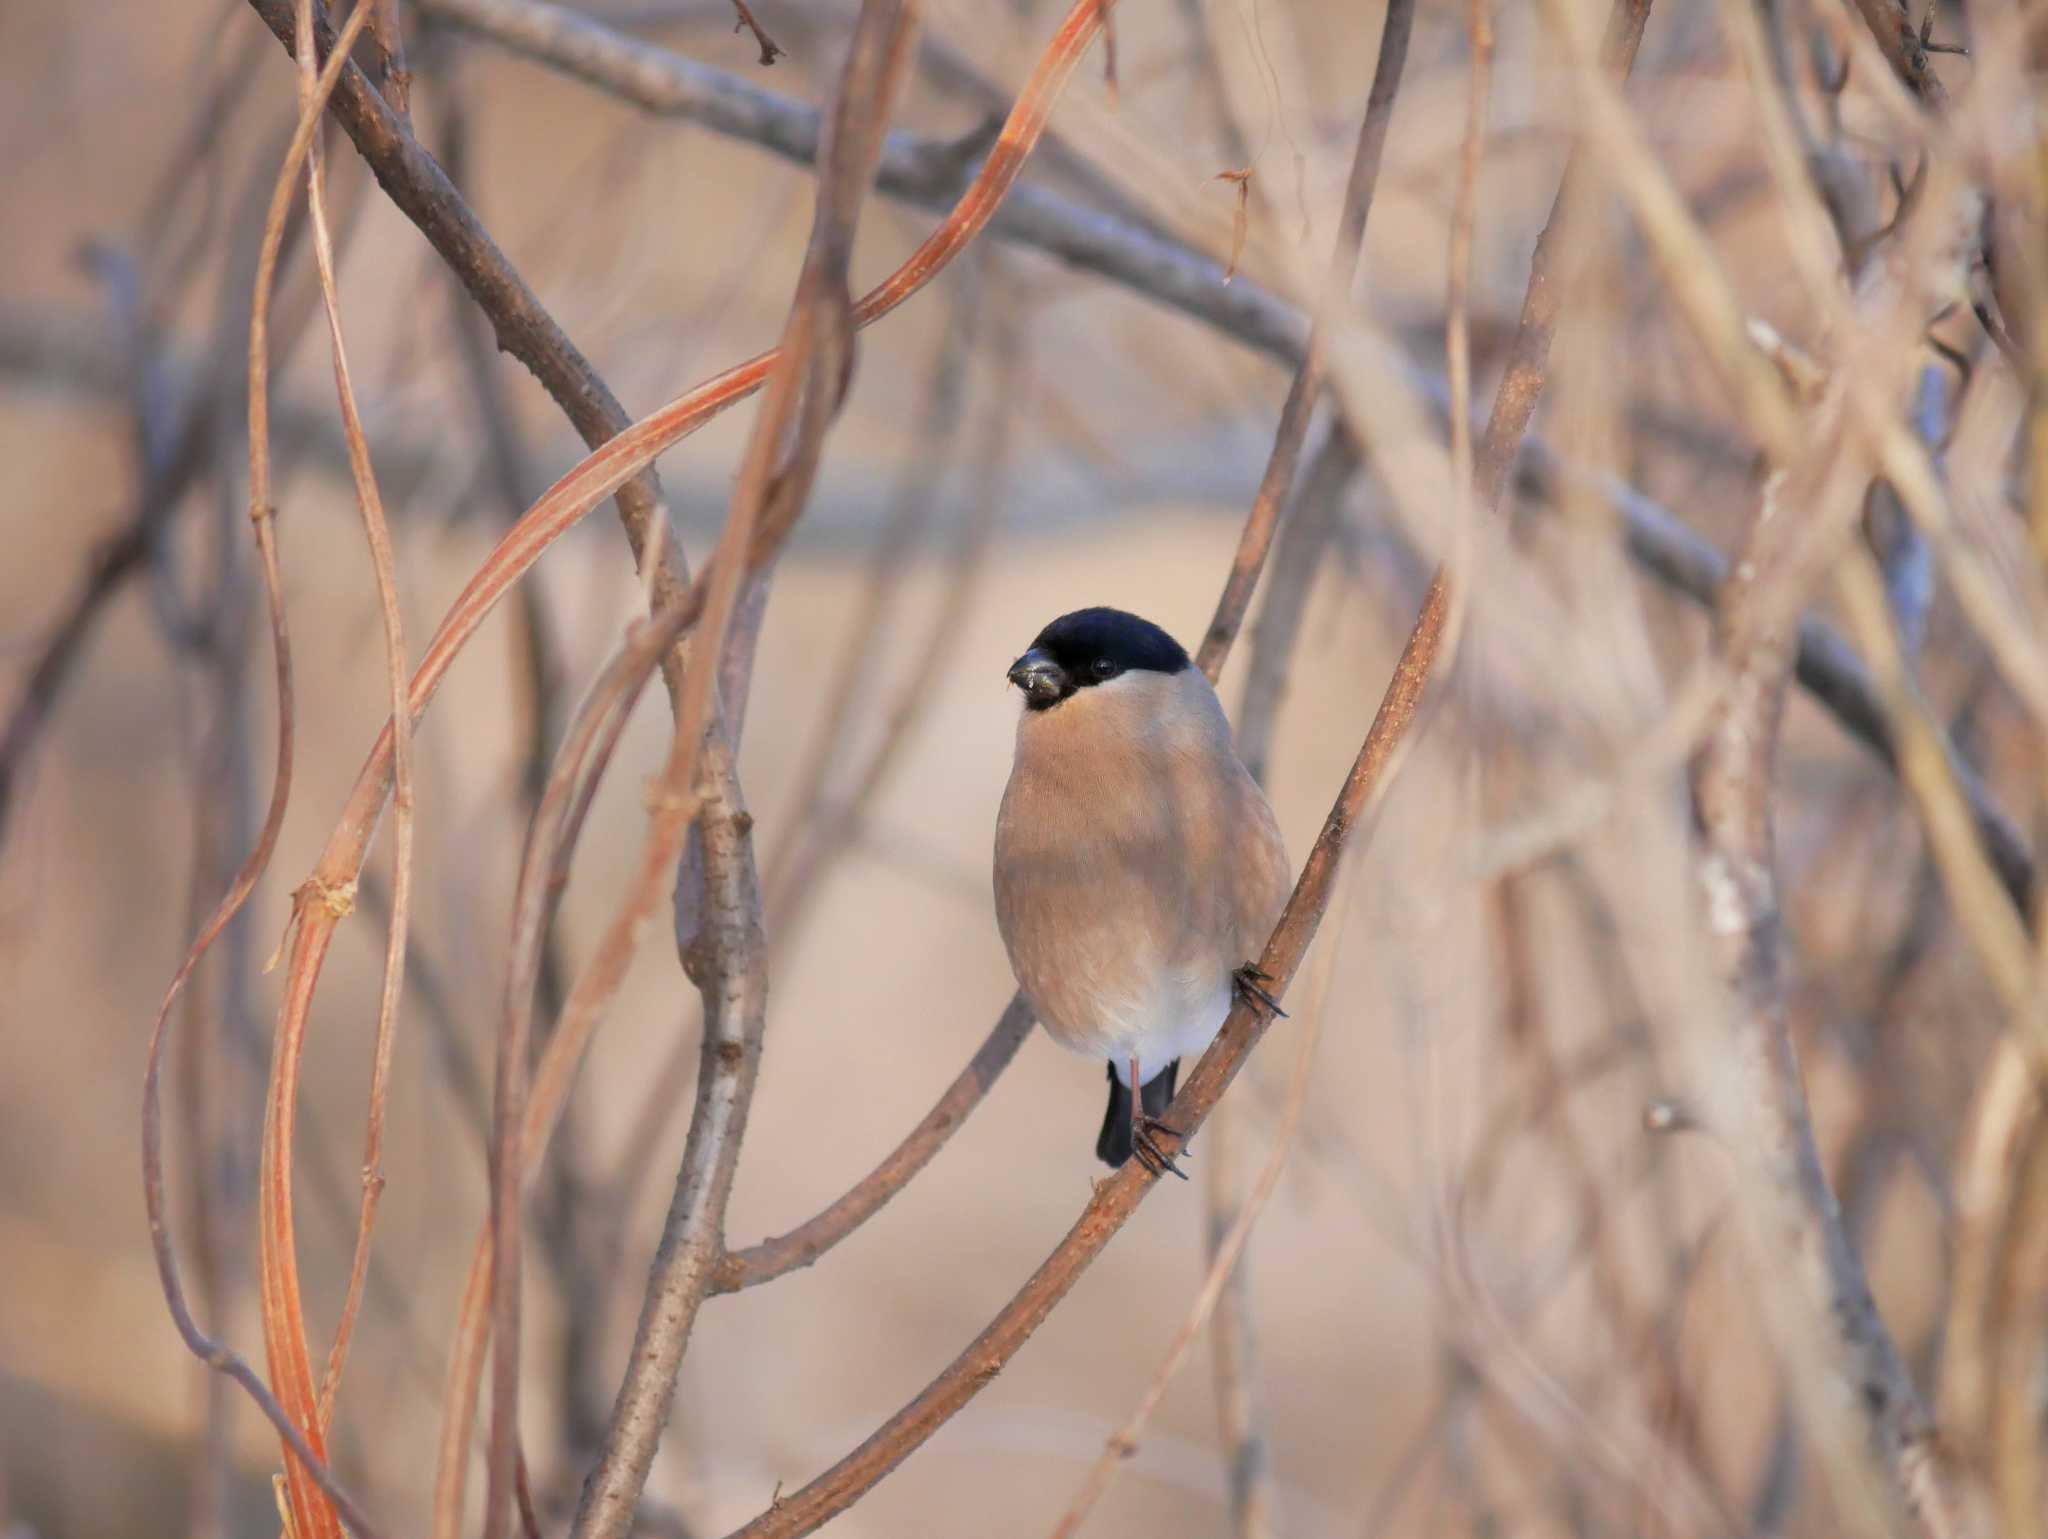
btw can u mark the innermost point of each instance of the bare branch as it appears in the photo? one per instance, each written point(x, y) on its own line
point(1803, 1223)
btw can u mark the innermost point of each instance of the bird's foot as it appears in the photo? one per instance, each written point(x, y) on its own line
point(1150, 1155)
point(1248, 982)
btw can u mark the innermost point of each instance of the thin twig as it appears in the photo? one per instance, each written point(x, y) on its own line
point(1233, 1354)
point(378, 535)
point(1256, 539)
point(1998, 1129)
point(394, 78)
point(305, 1464)
point(802, 1246)
point(770, 49)
point(1304, 536)
point(2019, 1335)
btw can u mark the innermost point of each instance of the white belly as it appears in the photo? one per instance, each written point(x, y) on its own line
point(1177, 1018)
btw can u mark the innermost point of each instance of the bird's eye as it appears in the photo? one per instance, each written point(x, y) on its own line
point(1103, 668)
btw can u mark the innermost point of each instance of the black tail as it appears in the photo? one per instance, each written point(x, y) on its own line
point(1113, 1143)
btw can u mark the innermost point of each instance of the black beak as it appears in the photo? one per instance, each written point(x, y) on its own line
point(1042, 680)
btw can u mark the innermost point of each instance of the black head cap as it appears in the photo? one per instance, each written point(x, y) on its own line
point(1091, 646)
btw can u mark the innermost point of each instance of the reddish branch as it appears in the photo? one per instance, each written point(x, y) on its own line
point(377, 534)
point(313, 1491)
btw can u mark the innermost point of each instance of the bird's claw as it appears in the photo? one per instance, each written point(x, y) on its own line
point(1150, 1155)
point(1248, 981)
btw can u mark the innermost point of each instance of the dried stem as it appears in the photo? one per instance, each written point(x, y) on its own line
point(770, 49)
point(305, 1463)
point(1247, 1456)
point(2018, 1335)
point(378, 535)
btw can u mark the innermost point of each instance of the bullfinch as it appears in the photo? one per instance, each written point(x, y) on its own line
point(1138, 865)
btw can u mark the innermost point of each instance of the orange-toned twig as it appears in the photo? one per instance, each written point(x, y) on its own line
point(292, 1408)
point(378, 535)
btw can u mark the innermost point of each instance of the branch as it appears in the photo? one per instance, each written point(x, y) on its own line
point(770, 49)
point(1801, 1221)
point(524, 328)
point(1302, 395)
point(1904, 50)
point(377, 535)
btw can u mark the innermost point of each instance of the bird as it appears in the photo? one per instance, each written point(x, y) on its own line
point(1138, 867)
